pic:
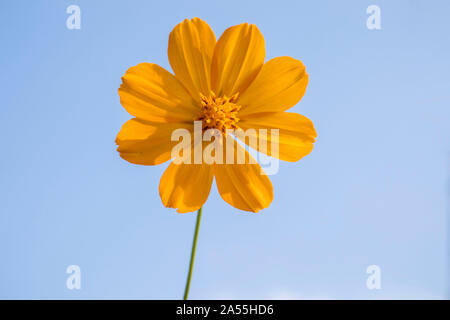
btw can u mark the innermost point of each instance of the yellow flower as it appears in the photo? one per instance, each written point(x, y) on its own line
point(225, 84)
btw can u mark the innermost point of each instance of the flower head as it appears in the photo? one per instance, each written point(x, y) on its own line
point(225, 85)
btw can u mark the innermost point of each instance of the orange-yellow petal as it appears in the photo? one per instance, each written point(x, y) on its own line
point(238, 57)
point(244, 186)
point(147, 143)
point(191, 47)
point(151, 93)
point(186, 186)
point(296, 134)
point(279, 86)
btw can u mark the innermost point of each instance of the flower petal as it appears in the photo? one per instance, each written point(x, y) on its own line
point(147, 143)
point(151, 93)
point(279, 86)
point(244, 186)
point(296, 134)
point(238, 57)
point(186, 186)
point(191, 47)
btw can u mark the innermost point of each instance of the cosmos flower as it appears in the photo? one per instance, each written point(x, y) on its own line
point(225, 84)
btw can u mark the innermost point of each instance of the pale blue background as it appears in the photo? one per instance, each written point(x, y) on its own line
point(373, 191)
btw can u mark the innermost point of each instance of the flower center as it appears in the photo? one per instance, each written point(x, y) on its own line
point(219, 112)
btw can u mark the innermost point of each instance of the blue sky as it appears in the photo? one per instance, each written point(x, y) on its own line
point(373, 191)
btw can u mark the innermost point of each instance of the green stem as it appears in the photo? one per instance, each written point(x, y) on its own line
point(194, 245)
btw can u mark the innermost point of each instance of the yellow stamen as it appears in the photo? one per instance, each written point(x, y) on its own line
point(219, 112)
